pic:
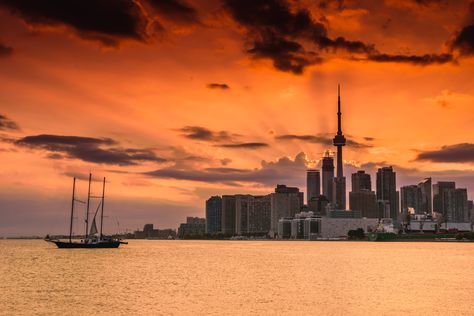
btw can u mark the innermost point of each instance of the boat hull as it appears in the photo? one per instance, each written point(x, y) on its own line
point(75, 245)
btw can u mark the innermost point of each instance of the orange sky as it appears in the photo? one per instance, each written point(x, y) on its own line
point(170, 134)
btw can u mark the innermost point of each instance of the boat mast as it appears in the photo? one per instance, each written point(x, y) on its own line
point(72, 208)
point(102, 210)
point(87, 207)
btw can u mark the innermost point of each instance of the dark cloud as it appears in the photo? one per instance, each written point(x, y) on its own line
point(5, 50)
point(369, 139)
point(105, 20)
point(323, 139)
point(221, 86)
point(284, 170)
point(176, 10)
point(96, 150)
point(464, 41)
point(423, 60)
point(254, 145)
point(278, 30)
point(204, 134)
point(8, 125)
point(286, 55)
point(453, 153)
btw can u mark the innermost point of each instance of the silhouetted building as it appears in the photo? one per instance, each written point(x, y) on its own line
point(450, 202)
point(411, 198)
point(328, 176)
point(213, 214)
point(387, 190)
point(194, 227)
point(285, 202)
point(365, 202)
point(361, 181)
point(259, 215)
point(426, 199)
point(439, 205)
point(151, 233)
point(242, 203)
point(228, 215)
point(470, 207)
point(339, 141)
point(318, 205)
point(313, 184)
point(344, 214)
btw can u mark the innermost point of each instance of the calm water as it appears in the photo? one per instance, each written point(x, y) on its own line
point(238, 277)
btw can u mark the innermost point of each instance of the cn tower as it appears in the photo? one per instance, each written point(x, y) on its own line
point(339, 141)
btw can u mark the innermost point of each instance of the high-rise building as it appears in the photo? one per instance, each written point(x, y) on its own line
point(313, 184)
point(339, 141)
point(242, 203)
point(362, 198)
point(228, 215)
point(361, 181)
point(365, 202)
point(411, 198)
point(285, 202)
point(318, 205)
point(328, 176)
point(426, 199)
point(470, 206)
point(259, 215)
point(213, 214)
point(438, 196)
point(451, 202)
point(387, 191)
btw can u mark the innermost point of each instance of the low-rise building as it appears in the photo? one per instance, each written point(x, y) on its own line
point(149, 232)
point(194, 227)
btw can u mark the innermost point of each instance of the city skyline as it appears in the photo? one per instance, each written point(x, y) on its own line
point(168, 130)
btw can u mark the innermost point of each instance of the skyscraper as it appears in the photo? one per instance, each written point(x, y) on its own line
point(213, 214)
point(438, 196)
point(426, 199)
point(313, 184)
point(387, 190)
point(285, 202)
point(228, 215)
point(451, 202)
point(361, 181)
point(411, 198)
point(362, 198)
point(328, 176)
point(339, 141)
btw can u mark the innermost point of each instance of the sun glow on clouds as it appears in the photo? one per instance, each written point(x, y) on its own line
point(197, 104)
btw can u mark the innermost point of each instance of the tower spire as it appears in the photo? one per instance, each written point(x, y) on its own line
point(339, 127)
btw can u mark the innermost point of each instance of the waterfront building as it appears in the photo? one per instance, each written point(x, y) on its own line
point(194, 227)
point(285, 202)
point(242, 203)
point(328, 176)
point(318, 205)
point(365, 202)
point(149, 232)
point(313, 184)
point(426, 198)
point(259, 215)
point(411, 199)
point(339, 141)
point(344, 214)
point(387, 190)
point(228, 215)
point(284, 227)
point(213, 215)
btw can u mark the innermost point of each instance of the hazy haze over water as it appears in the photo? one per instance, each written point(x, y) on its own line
point(237, 277)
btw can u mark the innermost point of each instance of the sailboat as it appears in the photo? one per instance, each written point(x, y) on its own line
point(93, 237)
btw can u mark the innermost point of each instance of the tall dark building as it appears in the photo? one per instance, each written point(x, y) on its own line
point(387, 190)
point(411, 198)
point(213, 214)
point(426, 199)
point(228, 215)
point(339, 141)
point(361, 181)
point(362, 198)
point(313, 184)
point(438, 196)
point(328, 176)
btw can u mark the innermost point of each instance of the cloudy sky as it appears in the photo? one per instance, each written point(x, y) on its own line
point(177, 100)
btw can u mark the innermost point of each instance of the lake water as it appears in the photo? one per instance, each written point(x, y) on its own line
point(238, 277)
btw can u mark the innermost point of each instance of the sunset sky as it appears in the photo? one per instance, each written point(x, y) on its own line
point(173, 101)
